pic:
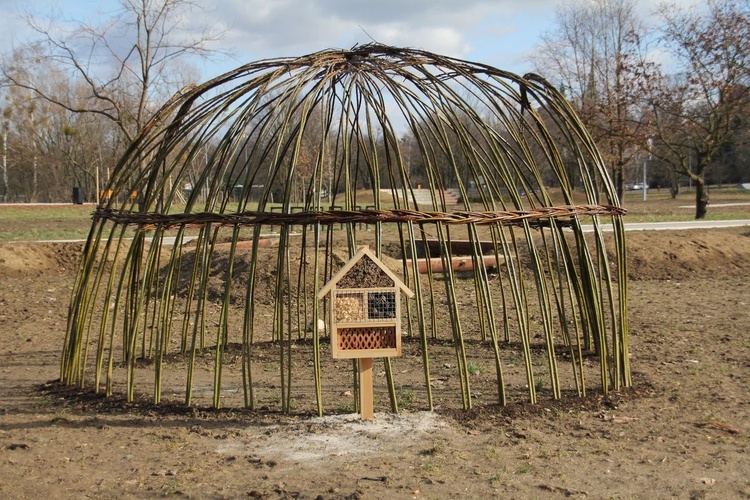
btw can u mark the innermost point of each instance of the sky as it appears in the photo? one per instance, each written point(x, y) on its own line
point(501, 33)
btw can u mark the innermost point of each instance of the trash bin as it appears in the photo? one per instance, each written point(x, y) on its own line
point(77, 195)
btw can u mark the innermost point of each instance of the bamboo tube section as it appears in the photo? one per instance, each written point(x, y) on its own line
point(245, 195)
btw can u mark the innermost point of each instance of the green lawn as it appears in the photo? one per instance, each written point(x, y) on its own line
point(72, 222)
point(44, 222)
point(660, 207)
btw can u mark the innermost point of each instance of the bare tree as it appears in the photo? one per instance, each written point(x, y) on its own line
point(129, 64)
point(52, 145)
point(696, 111)
point(588, 52)
point(21, 115)
point(4, 164)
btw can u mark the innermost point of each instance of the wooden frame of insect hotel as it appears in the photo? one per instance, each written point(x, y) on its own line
point(365, 308)
point(365, 316)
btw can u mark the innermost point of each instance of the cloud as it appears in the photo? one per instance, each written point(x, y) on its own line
point(486, 30)
point(262, 28)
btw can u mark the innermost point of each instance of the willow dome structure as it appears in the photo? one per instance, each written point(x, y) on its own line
point(399, 149)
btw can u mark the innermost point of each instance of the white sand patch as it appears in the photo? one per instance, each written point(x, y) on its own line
point(319, 440)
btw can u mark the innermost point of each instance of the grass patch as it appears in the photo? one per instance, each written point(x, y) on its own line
point(40, 222)
point(661, 207)
point(72, 222)
point(474, 368)
point(404, 396)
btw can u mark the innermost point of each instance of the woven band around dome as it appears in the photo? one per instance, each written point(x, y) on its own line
point(562, 215)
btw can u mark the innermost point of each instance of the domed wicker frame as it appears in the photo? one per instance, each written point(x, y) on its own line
point(294, 145)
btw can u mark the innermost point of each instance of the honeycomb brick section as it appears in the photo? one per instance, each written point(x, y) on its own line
point(383, 337)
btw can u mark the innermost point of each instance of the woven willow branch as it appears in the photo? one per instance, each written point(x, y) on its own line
point(371, 125)
point(536, 218)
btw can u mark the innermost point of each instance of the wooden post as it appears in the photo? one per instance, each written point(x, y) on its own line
point(365, 388)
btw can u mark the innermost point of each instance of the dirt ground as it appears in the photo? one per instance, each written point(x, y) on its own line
point(680, 432)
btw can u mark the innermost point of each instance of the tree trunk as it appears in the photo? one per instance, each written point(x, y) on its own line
point(701, 195)
point(701, 199)
point(5, 164)
point(34, 181)
point(674, 184)
point(619, 181)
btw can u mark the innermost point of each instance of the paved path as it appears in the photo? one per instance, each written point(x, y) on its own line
point(633, 226)
point(672, 226)
point(714, 205)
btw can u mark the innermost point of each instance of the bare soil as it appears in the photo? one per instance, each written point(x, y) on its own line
point(680, 432)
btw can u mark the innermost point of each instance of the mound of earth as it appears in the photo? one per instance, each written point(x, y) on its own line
point(651, 255)
point(691, 253)
point(38, 258)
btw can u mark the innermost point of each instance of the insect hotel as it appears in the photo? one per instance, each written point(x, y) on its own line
point(365, 316)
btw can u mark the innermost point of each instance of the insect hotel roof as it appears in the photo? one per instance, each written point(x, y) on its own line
point(339, 279)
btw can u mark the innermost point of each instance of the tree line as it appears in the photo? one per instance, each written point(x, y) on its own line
point(671, 95)
point(664, 91)
point(75, 97)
